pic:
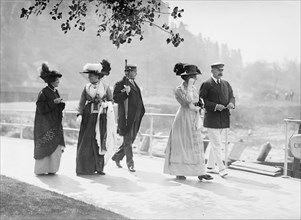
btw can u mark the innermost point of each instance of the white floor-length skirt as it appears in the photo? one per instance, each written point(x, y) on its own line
point(49, 164)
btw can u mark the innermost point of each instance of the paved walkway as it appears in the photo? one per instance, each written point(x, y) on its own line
point(149, 194)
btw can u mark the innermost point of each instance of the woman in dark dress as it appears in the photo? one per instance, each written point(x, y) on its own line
point(92, 116)
point(48, 131)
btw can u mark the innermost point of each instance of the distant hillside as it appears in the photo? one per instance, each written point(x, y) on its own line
point(26, 43)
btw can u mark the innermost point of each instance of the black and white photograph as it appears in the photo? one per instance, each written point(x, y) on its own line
point(150, 109)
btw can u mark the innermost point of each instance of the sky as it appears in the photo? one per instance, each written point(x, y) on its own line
point(263, 30)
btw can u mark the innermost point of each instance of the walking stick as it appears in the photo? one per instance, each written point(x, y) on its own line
point(126, 102)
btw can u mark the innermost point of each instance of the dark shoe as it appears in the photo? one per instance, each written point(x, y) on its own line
point(181, 177)
point(117, 162)
point(101, 173)
point(131, 169)
point(212, 170)
point(223, 173)
point(206, 177)
point(51, 174)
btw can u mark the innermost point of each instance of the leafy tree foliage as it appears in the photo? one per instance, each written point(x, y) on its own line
point(123, 19)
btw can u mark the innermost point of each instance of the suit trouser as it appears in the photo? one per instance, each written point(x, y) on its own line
point(126, 148)
point(215, 154)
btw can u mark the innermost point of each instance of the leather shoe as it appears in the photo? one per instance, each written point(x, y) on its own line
point(181, 177)
point(101, 173)
point(117, 162)
point(206, 177)
point(223, 173)
point(131, 169)
point(212, 170)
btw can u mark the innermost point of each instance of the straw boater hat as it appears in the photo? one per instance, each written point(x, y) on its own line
point(102, 68)
point(183, 69)
point(45, 73)
point(217, 65)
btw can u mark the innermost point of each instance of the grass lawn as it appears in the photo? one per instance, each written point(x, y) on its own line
point(19, 200)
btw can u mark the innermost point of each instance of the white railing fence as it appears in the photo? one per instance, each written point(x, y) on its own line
point(140, 135)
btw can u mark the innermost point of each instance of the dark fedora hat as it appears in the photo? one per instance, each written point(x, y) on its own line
point(45, 73)
point(190, 70)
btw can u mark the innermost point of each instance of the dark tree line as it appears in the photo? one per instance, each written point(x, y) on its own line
point(26, 43)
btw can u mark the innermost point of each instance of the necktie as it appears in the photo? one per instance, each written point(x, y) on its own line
point(218, 81)
point(132, 81)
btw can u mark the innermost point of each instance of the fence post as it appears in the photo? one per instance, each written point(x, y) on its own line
point(151, 135)
point(285, 149)
point(21, 132)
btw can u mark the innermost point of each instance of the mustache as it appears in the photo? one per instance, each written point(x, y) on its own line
point(220, 74)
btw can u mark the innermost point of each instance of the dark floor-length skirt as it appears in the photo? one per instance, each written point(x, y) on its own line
point(88, 159)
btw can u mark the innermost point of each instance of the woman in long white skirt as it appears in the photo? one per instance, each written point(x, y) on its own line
point(184, 155)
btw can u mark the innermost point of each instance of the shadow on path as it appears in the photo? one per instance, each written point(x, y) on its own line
point(155, 178)
point(116, 184)
point(256, 185)
point(61, 182)
point(220, 189)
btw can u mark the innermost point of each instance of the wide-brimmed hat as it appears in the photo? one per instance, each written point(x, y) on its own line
point(102, 68)
point(184, 69)
point(218, 65)
point(45, 73)
point(191, 70)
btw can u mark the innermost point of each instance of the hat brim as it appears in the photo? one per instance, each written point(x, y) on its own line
point(191, 73)
point(95, 72)
point(51, 75)
point(218, 67)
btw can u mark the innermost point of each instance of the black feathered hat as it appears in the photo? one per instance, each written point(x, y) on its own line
point(179, 68)
point(191, 70)
point(45, 73)
point(183, 69)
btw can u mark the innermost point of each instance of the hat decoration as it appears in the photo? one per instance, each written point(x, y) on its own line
point(106, 67)
point(102, 68)
point(179, 68)
point(182, 69)
point(46, 73)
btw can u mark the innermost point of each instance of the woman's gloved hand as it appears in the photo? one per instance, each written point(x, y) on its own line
point(191, 82)
point(79, 119)
point(104, 104)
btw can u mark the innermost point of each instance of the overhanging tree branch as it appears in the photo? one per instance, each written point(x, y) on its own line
point(123, 19)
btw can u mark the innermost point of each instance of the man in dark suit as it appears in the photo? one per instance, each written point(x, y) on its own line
point(218, 98)
point(127, 95)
